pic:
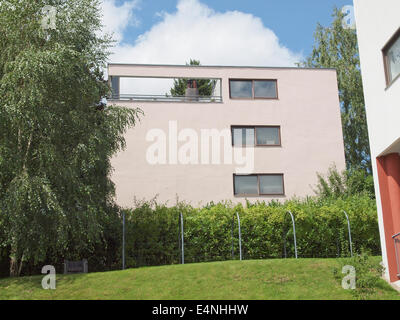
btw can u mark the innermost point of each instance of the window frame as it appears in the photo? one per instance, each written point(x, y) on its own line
point(255, 136)
point(386, 64)
point(253, 97)
point(241, 195)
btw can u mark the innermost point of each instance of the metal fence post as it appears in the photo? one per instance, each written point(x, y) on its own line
point(233, 223)
point(123, 240)
point(348, 225)
point(396, 243)
point(182, 241)
point(240, 236)
point(294, 234)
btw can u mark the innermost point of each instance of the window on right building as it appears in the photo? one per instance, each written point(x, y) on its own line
point(391, 54)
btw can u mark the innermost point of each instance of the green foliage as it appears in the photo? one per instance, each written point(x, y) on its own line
point(344, 184)
point(321, 229)
point(40, 218)
point(336, 47)
point(4, 249)
point(152, 235)
point(205, 86)
point(56, 139)
point(368, 275)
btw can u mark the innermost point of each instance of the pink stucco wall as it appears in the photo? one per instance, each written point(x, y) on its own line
point(307, 111)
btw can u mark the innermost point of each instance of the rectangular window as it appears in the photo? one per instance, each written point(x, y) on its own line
point(258, 184)
point(268, 136)
point(265, 89)
point(115, 87)
point(391, 54)
point(241, 88)
point(253, 89)
point(271, 184)
point(256, 136)
point(243, 137)
point(246, 185)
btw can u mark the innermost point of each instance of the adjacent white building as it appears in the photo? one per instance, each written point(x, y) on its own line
point(378, 31)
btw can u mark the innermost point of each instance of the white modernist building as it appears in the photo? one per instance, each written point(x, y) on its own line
point(378, 31)
point(256, 133)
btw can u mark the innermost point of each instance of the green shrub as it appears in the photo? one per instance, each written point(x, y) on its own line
point(153, 233)
point(344, 184)
point(368, 274)
point(266, 229)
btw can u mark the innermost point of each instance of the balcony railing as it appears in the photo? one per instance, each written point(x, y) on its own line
point(396, 239)
point(168, 98)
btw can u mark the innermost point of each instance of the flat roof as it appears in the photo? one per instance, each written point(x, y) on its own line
point(214, 66)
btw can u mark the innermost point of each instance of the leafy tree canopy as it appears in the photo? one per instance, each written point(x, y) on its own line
point(336, 47)
point(348, 183)
point(55, 139)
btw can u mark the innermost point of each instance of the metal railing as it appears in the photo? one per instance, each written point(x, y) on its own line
point(123, 240)
point(181, 240)
point(240, 236)
point(169, 98)
point(348, 226)
point(396, 251)
point(294, 237)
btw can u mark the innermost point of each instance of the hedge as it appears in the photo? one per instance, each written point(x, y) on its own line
point(152, 230)
point(152, 233)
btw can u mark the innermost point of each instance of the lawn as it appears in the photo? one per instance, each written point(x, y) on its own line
point(250, 279)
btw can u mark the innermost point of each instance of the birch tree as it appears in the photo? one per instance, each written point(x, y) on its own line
point(56, 137)
point(336, 47)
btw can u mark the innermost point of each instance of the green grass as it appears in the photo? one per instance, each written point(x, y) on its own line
point(252, 279)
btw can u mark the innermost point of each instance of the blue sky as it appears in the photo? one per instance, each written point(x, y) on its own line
point(293, 21)
point(284, 29)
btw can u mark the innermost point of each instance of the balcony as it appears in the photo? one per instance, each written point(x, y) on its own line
point(166, 98)
point(165, 89)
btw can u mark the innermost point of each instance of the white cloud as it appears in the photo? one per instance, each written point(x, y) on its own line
point(117, 18)
point(198, 32)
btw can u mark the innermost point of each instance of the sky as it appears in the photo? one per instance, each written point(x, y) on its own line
point(218, 32)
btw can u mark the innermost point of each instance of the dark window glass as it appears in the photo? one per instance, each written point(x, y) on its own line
point(115, 87)
point(265, 89)
point(243, 137)
point(246, 185)
point(241, 88)
point(268, 136)
point(271, 184)
point(393, 60)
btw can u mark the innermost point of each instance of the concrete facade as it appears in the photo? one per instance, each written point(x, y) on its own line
point(307, 111)
point(377, 22)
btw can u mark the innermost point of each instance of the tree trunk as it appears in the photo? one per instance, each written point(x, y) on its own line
point(20, 266)
point(13, 267)
point(15, 264)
